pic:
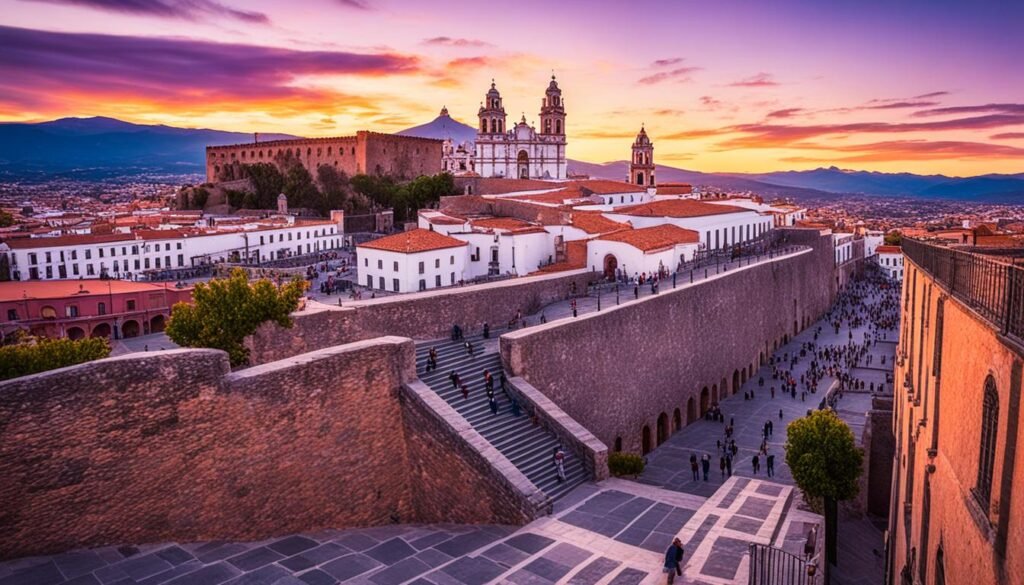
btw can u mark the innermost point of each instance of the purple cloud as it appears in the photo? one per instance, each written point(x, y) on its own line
point(667, 62)
point(455, 42)
point(986, 108)
point(681, 75)
point(192, 10)
point(933, 94)
point(902, 105)
point(759, 80)
point(356, 4)
point(786, 113)
point(1008, 136)
point(46, 66)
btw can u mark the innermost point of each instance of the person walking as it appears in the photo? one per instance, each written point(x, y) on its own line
point(693, 466)
point(771, 465)
point(705, 463)
point(757, 463)
point(493, 404)
point(558, 458)
point(673, 560)
point(721, 465)
point(728, 465)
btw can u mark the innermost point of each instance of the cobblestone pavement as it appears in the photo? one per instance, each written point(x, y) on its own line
point(668, 465)
point(614, 532)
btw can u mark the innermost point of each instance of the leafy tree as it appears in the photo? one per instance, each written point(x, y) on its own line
point(225, 311)
point(6, 219)
point(823, 456)
point(31, 356)
point(300, 189)
point(267, 183)
point(622, 464)
point(893, 238)
point(199, 197)
point(334, 185)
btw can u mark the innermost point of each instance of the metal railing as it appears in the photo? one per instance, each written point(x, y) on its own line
point(993, 287)
point(774, 566)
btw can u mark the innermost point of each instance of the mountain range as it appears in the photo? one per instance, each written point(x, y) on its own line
point(94, 145)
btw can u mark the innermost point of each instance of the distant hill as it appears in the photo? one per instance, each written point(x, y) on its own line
point(107, 146)
point(442, 127)
point(106, 143)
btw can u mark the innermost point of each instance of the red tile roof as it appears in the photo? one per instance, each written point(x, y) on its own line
point(575, 258)
point(889, 250)
point(73, 240)
point(413, 241)
point(652, 239)
point(606, 187)
point(678, 208)
point(674, 189)
point(499, 223)
point(56, 289)
point(595, 223)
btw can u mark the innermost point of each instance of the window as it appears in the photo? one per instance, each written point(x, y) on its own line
point(88, 255)
point(437, 263)
point(74, 269)
point(987, 455)
point(48, 313)
point(380, 265)
point(394, 283)
point(452, 261)
point(423, 284)
point(74, 255)
point(129, 305)
point(31, 258)
point(12, 314)
point(366, 262)
point(381, 281)
point(71, 310)
point(101, 252)
point(101, 308)
point(49, 258)
point(88, 270)
point(453, 278)
point(422, 268)
point(437, 280)
point(181, 260)
point(396, 266)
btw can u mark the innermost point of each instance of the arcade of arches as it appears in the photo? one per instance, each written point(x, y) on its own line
point(708, 398)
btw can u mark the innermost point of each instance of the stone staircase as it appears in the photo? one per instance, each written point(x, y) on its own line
point(528, 446)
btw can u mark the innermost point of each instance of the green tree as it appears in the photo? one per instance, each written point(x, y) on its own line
point(225, 311)
point(6, 219)
point(31, 356)
point(893, 238)
point(267, 183)
point(300, 189)
point(199, 197)
point(825, 461)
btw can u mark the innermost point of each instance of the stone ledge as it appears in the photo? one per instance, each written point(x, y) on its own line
point(591, 451)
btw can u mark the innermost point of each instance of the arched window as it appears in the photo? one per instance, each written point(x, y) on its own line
point(989, 428)
point(558, 126)
point(940, 567)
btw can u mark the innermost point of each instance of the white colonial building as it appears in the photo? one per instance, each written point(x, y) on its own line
point(890, 258)
point(412, 261)
point(522, 152)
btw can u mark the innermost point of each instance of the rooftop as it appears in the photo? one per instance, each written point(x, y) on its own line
point(652, 239)
point(58, 289)
point(889, 250)
point(595, 223)
point(413, 241)
point(678, 208)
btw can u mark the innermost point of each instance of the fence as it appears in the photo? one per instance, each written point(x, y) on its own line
point(774, 566)
point(993, 287)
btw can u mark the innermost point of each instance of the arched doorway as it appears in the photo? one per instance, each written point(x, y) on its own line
point(662, 428)
point(735, 380)
point(618, 444)
point(101, 330)
point(156, 324)
point(645, 440)
point(130, 329)
point(610, 265)
point(691, 410)
point(523, 165)
point(743, 376)
point(725, 389)
point(76, 333)
point(760, 359)
point(704, 396)
point(677, 420)
point(714, 394)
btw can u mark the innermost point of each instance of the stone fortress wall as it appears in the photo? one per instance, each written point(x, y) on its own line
point(422, 315)
point(403, 157)
point(654, 365)
point(172, 446)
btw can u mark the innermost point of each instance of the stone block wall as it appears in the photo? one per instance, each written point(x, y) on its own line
point(423, 315)
point(623, 369)
point(879, 446)
point(172, 446)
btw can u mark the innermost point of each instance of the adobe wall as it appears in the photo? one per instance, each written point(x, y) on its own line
point(422, 315)
point(617, 370)
point(403, 157)
point(171, 446)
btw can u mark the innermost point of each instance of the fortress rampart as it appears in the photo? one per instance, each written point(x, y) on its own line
point(172, 446)
point(635, 373)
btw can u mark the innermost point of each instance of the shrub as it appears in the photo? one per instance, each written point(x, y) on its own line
point(620, 464)
point(32, 357)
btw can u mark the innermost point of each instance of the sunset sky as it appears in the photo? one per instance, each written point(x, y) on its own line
point(926, 86)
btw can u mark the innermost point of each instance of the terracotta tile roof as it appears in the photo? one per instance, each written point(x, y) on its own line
point(674, 189)
point(575, 258)
point(500, 223)
point(413, 241)
point(445, 220)
point(678, 208)
point(889, 250)
point(494, 186)
point(56, 289)
point(559, 197)
point(595, 223)
point(606, 187)
point(654, 238)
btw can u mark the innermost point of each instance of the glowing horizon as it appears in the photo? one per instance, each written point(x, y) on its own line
point(739, 88)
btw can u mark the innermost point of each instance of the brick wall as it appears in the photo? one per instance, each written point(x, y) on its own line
point(171, 446)
point(617, 370)
point(423, 315)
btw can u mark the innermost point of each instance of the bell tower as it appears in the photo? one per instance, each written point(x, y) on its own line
point(641, 166)
point(552, 111)
point(492, 113)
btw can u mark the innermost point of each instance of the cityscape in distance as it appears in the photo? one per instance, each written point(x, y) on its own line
point(394, 292)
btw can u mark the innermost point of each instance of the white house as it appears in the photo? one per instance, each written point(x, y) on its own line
point(843, 247)
point(649, 250)
point(890, 258)
point(719, 226)
point(412, 261)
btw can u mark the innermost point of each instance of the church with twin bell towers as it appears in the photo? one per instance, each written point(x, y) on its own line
point(522, 152)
